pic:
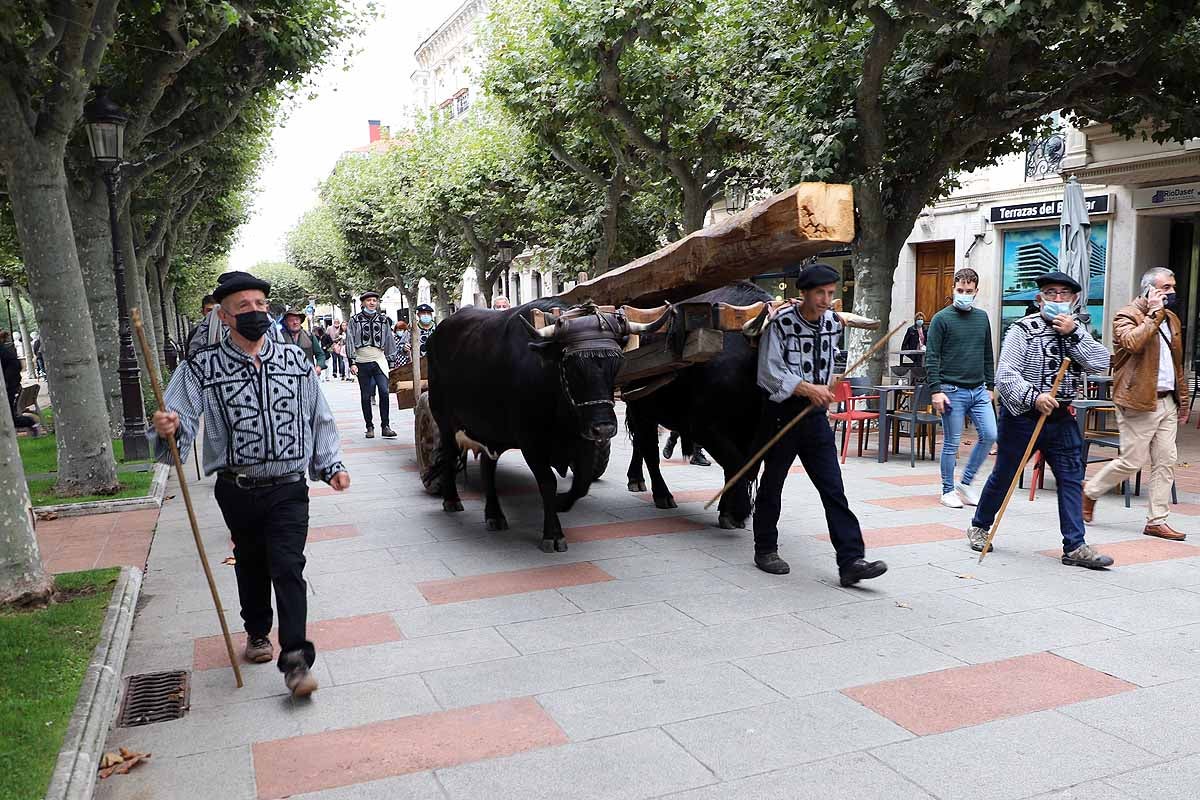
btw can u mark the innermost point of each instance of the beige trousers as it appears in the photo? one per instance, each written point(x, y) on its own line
point(1146, 437)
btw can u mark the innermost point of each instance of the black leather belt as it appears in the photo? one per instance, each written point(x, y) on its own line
point(1161, 395)
point(247, 482)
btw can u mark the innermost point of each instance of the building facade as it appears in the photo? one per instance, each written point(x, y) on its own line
point(449, 62)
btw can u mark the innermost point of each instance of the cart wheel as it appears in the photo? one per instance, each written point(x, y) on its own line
point(603, 453)
point(428, 446)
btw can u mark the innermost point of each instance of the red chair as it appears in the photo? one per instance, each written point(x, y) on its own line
point(849, 414)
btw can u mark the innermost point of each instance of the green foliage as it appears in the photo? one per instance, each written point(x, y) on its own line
point(44, 654)
point(133, 484)
point(289, 286)
point(316, 247)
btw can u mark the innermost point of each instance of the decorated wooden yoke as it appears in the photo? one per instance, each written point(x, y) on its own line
point(401, 383)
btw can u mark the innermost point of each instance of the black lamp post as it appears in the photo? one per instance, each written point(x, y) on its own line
point(6, 290)
point(504, 250)
point(106, 136)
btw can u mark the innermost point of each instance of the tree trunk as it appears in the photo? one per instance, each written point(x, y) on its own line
point(695, 209)
point(93, 242)
point(136, 293)
point(22, 578)
point(39, 203)
point(609, 225)
point(875, 257)
point(26, 340)
point(441, 298)
point(153, 288)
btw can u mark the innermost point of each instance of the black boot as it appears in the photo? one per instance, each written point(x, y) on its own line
point(698, 459)
point(861, 570)
point(370, 431)
point(772, 563)
point(388, 433)
point(669, 447)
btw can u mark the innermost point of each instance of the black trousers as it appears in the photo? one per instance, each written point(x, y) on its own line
point(269, 528)
point(811, 440)
point(339, 365)
point(372, 379)
point(13, 391)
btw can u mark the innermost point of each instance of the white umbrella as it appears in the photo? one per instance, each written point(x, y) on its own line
point(1075, 245)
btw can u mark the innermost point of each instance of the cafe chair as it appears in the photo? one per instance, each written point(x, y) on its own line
point(849, 413)
point(917, 424)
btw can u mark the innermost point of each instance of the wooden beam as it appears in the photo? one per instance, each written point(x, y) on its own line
point(777, 233)
point(657, 357)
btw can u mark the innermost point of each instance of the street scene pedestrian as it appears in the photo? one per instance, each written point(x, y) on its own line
point(310, 343)
point(10, 365)
point(1150, 391)
point(915, 340)
point(425, 326)
point(206, 329)
point(371, 349)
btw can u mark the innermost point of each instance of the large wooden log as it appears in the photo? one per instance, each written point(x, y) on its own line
point(778, 232)
point(658, 358)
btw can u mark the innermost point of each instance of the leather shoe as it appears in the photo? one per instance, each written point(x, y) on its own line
point(1164, 531)
point(861, 570)
point(772, 563)
point(1089, 506)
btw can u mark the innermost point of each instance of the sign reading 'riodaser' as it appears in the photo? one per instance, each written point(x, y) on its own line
point(1045, 209)
point(1181, 194)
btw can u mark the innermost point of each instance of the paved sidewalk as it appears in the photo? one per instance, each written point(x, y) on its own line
point(652, 659)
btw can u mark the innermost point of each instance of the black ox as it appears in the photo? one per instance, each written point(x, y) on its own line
point(498, 383)
point(716, 404)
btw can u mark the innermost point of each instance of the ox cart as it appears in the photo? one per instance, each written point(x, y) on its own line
point(655, 315)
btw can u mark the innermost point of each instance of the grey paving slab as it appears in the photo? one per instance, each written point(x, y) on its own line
point(689, 648)
point(1012, 758)
point(1147, 659)
point(216, 687)
point(527, 555)
point(612, 594)
point(335, 707)
point(855, 775)
point(644, 565)
point(469, 614)
point(226, 773)
point(536, 636)
point(534, 674)
point(741, 743)
point(416, 655)
point(1027, 594)
point(415, 786)
point(994, 638)
point(628, 766)
point(1175, 780)
point(589, 712)
point(743, 604)
point(1161, 719)
point(1141, 613)
point(1176, 572)
point(893, 614)
point(836, 666)
point(1091, 790)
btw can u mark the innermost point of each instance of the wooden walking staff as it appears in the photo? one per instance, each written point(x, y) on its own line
point(1012, 487)
point(757, 457)
point(136, 314)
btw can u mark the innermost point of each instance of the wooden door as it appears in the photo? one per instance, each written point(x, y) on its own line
point(935, 277)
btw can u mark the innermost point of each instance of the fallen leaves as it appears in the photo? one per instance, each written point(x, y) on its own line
point(966, 576)
point(46, 516)
point(902, 604)
point(230, 560)
point(120, 762)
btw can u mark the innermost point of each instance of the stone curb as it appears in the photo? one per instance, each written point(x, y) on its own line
point(74, 775)
point(158, 488)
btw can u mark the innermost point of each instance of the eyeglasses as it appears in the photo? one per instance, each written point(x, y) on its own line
point(1058, 294)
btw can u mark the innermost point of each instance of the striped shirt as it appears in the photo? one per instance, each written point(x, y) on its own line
point(794, 349)
point(1031, 355)
point(258, 421)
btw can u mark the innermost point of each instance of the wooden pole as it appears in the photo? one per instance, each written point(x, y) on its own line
point(1012, 487)
point(136, 314)
point(763, 451)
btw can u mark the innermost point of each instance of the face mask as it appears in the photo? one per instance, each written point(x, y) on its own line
point(1170, 300)
point(920, 323)
point(253, 325)
point(371, 311)
point(1052, 308)
point(425, 319)
point(963, 302)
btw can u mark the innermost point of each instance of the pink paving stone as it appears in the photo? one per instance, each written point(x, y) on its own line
point(636, 527)
point(520, 581)
point(524, 488)
point(956, 698)
point(375, 448)
point(397, 747)
point(324, 533)
point(909, 503)
point(911, 480)
point(1139, 551)
point(208, 652)
point(323, 491)
point(906, 534)
point(1187, 509)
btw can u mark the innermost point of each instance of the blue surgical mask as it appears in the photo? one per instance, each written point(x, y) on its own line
point(963, 302)
point(425, 319)
point(920, 323)
point(1052, 308)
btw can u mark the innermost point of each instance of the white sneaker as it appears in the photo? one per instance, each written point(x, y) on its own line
point(968, 494)
point(951, 500)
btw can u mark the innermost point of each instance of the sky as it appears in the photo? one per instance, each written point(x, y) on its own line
point(307, 146)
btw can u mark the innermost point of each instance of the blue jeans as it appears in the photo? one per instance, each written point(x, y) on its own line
point(1062, 447)
point(963, 403)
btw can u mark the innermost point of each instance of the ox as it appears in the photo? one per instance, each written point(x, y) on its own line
point(498, 383)
point(716, 404)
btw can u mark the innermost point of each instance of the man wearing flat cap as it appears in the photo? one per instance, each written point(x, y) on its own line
point(1033, 352)
point(266, 424)
point(294, 333)
point(372, 349)
point(425, 325)
point(795, 365)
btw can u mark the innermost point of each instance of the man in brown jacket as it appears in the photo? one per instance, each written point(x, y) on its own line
point(1150, 393)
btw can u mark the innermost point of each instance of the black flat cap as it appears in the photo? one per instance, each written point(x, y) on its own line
point(1062, 278)
point(231, 282)
point(425, 307)
point(817, 275)
point(365, 295)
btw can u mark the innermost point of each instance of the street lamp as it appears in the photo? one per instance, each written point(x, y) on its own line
point(7, 292)
point(106, 136)
point(504, 250)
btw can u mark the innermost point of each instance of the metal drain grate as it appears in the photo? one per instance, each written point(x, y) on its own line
point(154, 697)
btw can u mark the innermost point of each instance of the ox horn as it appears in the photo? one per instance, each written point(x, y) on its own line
point(546, 332)
point(650, 327)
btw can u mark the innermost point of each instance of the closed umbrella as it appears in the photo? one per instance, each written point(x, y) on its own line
point(1075, 245)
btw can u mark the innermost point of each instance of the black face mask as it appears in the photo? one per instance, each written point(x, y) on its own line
point(252, 324)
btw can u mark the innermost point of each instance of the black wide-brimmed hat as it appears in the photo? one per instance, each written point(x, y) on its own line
point(1062, 278)
point(231, 282)
point(367, 294)
point(817, 275)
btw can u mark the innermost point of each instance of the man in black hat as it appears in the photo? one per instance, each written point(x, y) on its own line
point(266, 424)
point(294, 333)
point(795, 364)
point(1033, 351)
point(372, 349)
point(425, 324)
